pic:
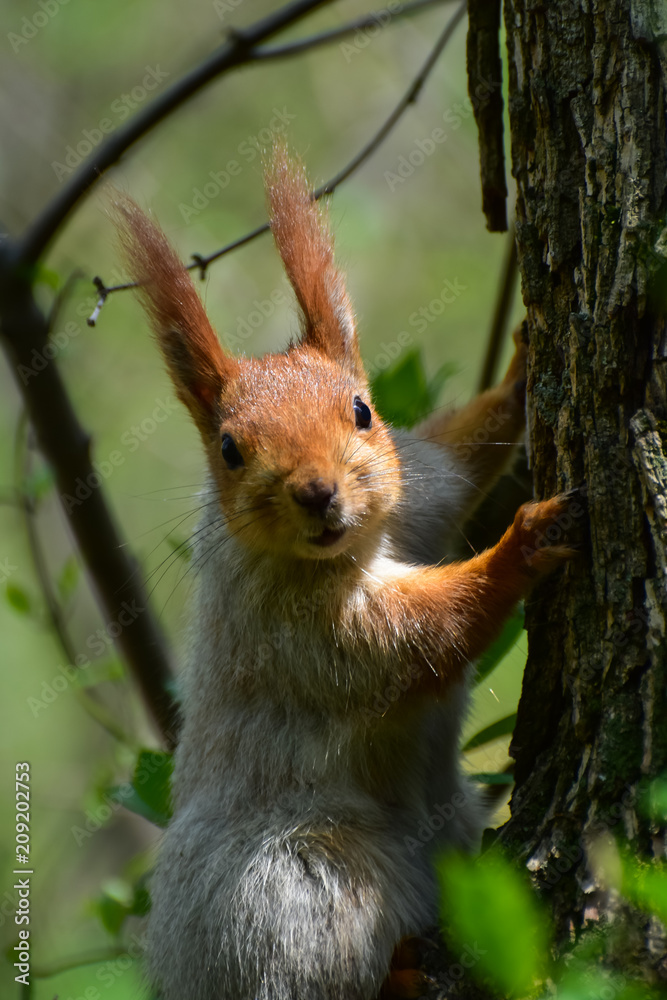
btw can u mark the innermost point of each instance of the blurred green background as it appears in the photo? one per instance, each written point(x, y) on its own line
point(66, 68)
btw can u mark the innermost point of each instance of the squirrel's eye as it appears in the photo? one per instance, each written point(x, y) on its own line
point(362, 413)
point(230, 452)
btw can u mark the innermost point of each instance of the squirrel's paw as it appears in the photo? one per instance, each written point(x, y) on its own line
point(546, 531)
point(405, 980)
point(405, 984)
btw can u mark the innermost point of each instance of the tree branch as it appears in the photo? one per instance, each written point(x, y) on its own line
point(501, 312)
point(201, 263)
point(63, 441)
point(237, 51)
point(376, 19)
point(55, 613)
point(66, 447)
point(408, 98)
point(484, 64)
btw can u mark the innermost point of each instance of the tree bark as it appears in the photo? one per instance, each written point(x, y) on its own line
point(587, 115)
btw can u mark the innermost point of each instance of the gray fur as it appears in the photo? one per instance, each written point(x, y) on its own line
point(293, 864)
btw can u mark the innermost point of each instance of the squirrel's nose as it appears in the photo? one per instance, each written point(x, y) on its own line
point(317, 495)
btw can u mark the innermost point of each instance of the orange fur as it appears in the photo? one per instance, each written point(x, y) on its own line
point(305, 244)
point(199, 369)
point(325, 646)
point(486, 428)
point(438, 619)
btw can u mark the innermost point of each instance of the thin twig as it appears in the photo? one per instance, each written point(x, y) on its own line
point(66, 447)
point(64, 442)
point(408, 98)
point(53, 607)
point(376, 19)
point(501, 312)
point(201, 263)
point(237, 51)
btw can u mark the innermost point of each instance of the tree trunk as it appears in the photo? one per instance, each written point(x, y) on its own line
point(587, 114)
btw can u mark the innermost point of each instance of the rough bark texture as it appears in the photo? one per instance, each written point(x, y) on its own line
point(483, 62)
point(587, 114)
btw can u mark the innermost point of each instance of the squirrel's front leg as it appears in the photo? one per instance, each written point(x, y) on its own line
point(481, 434)
point(435, 620)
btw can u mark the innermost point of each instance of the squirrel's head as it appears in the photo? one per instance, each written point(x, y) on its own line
point(303, 464)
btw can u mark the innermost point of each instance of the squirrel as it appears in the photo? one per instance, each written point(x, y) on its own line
point(329, 648)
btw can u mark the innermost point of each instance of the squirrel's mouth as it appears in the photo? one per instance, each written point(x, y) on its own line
point(329, 536)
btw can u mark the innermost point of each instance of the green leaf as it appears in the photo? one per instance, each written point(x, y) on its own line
point(500, 648)
point(653, 801)
point(152, 780)
point(46, 276)
point(149, 793)
point(120, 890)
point(645, 885)
point(492, 918)
point(492, 778)
point(18, 599)
point(120, 900)
point(500, 728)
point(40, 483)
point(141, 903)
point(127, 797)
point(112, 913)
point(403, 395)
point(582, 975)
point(68, 579)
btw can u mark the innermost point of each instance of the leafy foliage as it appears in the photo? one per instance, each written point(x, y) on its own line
point(18, 599)
point(118, 901)
point(503, 727)
point(489, 660)
point(404, 394)
point(646, 886)
point(486, 902)
point(149, 793)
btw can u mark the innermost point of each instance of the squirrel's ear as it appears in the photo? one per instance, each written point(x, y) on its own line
point(305, 244)
point(198, 367)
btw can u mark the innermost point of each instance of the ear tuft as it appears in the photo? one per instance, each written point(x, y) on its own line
point(304, 241)
point(195, 360)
